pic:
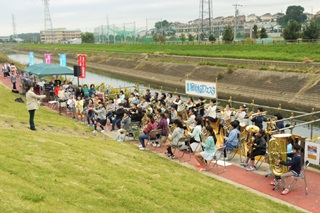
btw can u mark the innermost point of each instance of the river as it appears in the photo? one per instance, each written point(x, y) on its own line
point(116, 83)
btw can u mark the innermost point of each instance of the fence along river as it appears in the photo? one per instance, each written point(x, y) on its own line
point(303, 128)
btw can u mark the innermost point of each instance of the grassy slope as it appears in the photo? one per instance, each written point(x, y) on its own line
point(284, 52)
point(64, 168)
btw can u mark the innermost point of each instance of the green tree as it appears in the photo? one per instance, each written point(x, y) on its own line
point(212, 38)
point(293, 12)
point(263, 33)
point(162, 38)
point(292, 31)
point(173, 38)
point(312, 31)
point(87, 37)
point(190, 37)
point(183, 37)
point(228, 34)
point(162, 24)
point(155, 37)
point(255, 31)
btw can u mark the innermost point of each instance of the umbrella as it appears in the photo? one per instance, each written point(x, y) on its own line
point(48, 70)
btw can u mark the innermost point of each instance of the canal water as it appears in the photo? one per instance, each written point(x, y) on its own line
point(116, 83)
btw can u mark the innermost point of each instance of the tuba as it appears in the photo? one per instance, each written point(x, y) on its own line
point(278, 151)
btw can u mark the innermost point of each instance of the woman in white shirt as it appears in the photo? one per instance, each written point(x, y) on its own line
point(191, 118)
point(211, 112)
point(169, 100)
point(117, 101)
point(196, 133)
point(225, 117)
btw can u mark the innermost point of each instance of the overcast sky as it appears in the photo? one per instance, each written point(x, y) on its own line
point(88, 14)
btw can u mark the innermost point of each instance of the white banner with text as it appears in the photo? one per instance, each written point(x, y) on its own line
point(199, 88)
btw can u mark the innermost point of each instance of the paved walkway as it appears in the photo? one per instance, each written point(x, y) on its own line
point(255, 181)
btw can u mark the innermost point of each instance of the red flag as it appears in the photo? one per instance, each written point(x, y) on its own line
point(82, 63)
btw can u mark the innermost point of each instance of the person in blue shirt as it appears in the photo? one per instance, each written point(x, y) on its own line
point(295, 168)
point(232, 140)
point(279, 123)
point(258, 118)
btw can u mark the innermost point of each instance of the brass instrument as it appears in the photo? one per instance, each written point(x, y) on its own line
point(144, 120)
point(203, 132)
point(251, 129)
point(278, 151)
point(258, 113)
point(184, 114)
point(170, 129)
point(188, 129)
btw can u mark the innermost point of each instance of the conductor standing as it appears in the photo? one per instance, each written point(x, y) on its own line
point(32, 105)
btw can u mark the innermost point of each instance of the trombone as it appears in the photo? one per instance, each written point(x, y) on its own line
point(259, 113)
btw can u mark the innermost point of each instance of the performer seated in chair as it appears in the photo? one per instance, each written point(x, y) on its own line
point(231, 142)
point(211, 112)
point(146, 130)
point(209, 149)
point(225, 118)
point(258, 118)
point(164, 126)
point(196, 133)
point(258, 148)
point(191, 118)
point(126, 120)
point(173, 139)
point(295, 168)
point(279, 123)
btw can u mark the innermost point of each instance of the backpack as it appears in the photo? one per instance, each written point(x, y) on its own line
point(20, 100)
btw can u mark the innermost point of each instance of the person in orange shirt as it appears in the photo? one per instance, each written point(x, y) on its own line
point(56, 90)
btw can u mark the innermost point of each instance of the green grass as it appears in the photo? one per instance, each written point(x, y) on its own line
point(282, 52)
point(63, 167)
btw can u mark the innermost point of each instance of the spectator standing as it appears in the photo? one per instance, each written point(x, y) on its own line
point(32, 105)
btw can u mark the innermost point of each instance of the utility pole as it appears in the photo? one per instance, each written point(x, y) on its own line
point(146, 27)
point(108, 36)
point(114, 36)
point(236, 19)
point(124, 33)
point(205, 12)
point(14, 35)
point(134, 31)
point(47, 21)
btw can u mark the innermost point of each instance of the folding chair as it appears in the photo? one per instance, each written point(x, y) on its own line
point(181, 152)
point(54, 104)
point(157, 133)
point(259, 161)
point(134, 130)
point(302, 176)
point(217, 155)
point(239, 148)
